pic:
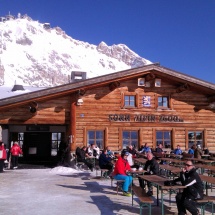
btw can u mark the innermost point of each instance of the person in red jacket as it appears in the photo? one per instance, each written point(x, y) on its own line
point(3, 156)
point(15, 152)
point(120, 172)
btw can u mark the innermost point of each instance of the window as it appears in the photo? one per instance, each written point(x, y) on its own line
point(96, 137)
point(20, 139)
point(195, 137)
point(163, 101)
point(129, 138)
point(164, 137)
point(129, 101)
point(56, 139)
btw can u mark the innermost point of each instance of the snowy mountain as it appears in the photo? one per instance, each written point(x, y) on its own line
point(35, 54)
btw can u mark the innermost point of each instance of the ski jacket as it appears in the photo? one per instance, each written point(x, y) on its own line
point(4, 155)
point(152, 167)
point(193, 183)
point(16, 150)
point(121, 167)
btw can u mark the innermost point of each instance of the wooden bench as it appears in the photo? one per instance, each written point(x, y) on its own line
point(207, 200)
point(144, 199)
point(118, 183)
point(103, 172)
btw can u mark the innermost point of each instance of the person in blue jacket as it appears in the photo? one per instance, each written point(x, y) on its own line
point(178, 150)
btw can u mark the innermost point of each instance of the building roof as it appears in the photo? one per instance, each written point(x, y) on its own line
point(156, 70)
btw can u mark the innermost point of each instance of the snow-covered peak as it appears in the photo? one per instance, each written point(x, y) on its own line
point(37, 54)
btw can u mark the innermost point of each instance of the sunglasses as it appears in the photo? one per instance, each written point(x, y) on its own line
point(188, 165)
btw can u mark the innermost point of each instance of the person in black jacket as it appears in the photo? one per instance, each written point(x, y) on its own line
point(105, 162)
point(81, 157)
point(152, 168)
point(193, 191)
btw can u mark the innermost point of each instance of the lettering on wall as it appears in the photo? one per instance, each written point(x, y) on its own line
point(144, 118)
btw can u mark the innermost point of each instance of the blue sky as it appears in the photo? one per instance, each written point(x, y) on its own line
point(180, 34)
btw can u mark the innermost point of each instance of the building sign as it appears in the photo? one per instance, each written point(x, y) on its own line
point(146, 101)
point(144, 118)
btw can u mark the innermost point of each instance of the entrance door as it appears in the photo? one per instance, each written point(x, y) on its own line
point(37, 145)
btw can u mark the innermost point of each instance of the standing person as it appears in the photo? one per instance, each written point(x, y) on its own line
point(194, 190)
point(152, 168)
point(105, 162)
point(120, 172)
point(15, 152)
point(3, 156)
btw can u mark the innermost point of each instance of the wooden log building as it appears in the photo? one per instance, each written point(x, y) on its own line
point(150, 104)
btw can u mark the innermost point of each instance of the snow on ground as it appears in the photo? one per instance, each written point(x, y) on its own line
point(64, 170)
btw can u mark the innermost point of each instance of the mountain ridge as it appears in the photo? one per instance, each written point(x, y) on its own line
point(34, 53)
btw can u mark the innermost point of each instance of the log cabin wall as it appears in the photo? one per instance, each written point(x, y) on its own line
point(182, 117)
point(55, 111)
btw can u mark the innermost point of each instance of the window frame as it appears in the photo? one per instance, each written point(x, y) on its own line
point(56, 142)
point(188, 144)
point(163, 138)
point(169, 101)
point(123, 146)
point(135, 100)
point(95, 139)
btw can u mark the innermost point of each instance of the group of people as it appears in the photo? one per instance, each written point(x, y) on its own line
point(189, 178)
point(197, 151)
point(103, 158)
point(14, 152)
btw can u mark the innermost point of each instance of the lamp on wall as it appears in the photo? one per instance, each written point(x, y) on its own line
point(33, 106)
point(80, 102)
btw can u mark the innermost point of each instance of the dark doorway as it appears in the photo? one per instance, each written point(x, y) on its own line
point(37, 146)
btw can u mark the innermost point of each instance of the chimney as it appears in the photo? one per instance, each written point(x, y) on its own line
point(17, 87)
point(78, 76)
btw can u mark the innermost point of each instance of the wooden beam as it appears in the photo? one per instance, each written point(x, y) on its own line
point(150, 77)
point(211, 98)
point(114, 85)
point(182, 88)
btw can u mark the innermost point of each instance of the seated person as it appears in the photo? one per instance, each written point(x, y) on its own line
point(131, 150)
point(206, 151)
point(197, 151)
point(177, 151)
point(159, 149)
point(81, 157)
point(109, 152)
point(120, 172)
point(105, 162)
point(93, 150)
point(152, 168)
point(191, 151)
point(194, 190)
point(145, 149)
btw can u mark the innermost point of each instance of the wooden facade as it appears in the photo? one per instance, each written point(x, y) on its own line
point(152, 103)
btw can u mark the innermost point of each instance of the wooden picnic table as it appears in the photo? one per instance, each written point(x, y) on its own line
point(140, 160)
point(205, 156)
point(207, 179)
point(173, 160)
point(170, 169)
point(201, 160)
point(158, 182)
point(203, 167)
